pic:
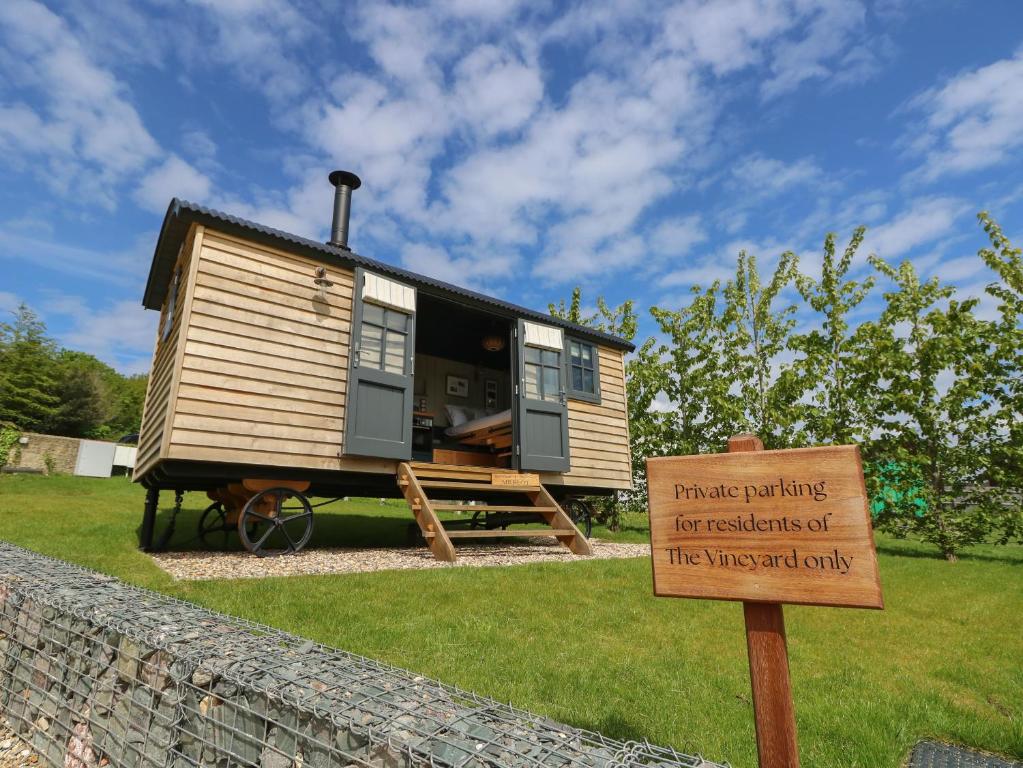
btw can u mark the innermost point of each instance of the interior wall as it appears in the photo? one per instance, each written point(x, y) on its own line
point(430, 381)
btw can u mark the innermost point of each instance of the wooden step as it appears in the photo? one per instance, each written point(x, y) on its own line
point(491, 508)
point(486, 487)
point(422, 469)
point(496, 533)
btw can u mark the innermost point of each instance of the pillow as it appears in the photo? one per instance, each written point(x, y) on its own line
point(456, 415)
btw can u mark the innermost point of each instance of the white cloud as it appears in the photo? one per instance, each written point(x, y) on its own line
point(120, 334)
point(925, 221)
point(496, 91)
point(831, 27)
point(466, 270)
point(9, 302)
point(676, 237)
point(85, 130)
point(758, 174)
point(174, 178)
point(261, 40)
point(123, 267)
point(971, 122)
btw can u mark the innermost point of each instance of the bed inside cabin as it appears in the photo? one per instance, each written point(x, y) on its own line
point(462, 385)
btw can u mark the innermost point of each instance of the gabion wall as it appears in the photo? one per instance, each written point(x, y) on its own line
point(95, 672)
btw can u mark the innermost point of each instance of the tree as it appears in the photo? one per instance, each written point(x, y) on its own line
point(27, 372)
point(756, 336)
point(831, 355)
point(701, 411)
point(1006, 261)
point(933, 417)
point(573, 312)
point(84, 395)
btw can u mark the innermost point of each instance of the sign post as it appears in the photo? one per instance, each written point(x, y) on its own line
point(765, 528)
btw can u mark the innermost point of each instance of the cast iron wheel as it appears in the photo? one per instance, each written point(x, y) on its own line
point(579, 511)
point(214, 520)
point(269, 526)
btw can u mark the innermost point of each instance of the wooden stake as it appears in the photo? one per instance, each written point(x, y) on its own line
point(773, 710)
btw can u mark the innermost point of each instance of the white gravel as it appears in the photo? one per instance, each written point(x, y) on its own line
point(242, 565)
point(14, 753)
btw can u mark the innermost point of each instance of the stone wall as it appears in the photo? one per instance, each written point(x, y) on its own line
point(94, 672)
point(33, 455)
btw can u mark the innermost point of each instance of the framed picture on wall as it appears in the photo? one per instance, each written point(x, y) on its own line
point(490, 393)
point(458, 386)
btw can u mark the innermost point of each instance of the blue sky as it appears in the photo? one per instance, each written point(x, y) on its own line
point(518, 148)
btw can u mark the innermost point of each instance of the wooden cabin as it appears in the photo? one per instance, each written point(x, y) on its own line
point(279, 357)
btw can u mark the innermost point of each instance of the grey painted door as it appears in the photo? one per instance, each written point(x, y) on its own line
point(541, 410)
point(378, 411)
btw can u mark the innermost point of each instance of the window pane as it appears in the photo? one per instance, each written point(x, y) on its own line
point(394, 352)
point(532, 355)
point(397, 321)
point(532, 381)
point(551, 358)
point(575, 352)
point(372, 341)
point(587, 354)
point(577, 377)
point(550, 384)
point(588, 382)
point(372, 313)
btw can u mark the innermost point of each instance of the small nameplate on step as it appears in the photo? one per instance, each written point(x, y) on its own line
point(514, 480)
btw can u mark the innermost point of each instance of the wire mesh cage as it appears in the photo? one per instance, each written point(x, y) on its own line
point(96, 672)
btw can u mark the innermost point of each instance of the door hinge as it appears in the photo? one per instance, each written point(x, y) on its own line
point(516, 390)
point(518, 450)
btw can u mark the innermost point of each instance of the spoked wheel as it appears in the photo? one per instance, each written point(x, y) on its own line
point(213, 522)
point(579, 511)
point(277, 521)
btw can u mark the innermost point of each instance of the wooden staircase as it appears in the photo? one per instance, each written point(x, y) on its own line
point(494, 487)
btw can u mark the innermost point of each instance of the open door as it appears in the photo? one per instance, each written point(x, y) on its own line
point(541, 426)
point(378, 412)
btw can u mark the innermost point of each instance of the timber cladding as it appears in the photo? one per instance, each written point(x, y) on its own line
point(598, 435)
point(162, 372)
point(264, 367)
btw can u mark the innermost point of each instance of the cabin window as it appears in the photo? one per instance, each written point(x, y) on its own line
point(583, 373)
point(542, 369)
point(384, 332)
point(172, 300)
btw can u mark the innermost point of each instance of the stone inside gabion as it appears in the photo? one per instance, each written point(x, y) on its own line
point(95, 672)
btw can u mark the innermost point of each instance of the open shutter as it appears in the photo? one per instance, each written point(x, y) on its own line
point(378, 414)
point(542, 423)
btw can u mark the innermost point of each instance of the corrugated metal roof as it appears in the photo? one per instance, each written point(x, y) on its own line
point(181, 213)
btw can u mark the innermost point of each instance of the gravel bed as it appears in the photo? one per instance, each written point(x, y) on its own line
point(242, 565)
point(14, 753)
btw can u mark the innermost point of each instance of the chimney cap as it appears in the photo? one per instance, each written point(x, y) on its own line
point(347, 178)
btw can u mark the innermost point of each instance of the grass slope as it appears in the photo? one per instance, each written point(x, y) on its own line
point(587, 643)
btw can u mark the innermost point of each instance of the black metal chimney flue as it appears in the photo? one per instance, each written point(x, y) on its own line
point(344, 183)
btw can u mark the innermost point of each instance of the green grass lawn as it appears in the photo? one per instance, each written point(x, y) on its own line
point(587, 643)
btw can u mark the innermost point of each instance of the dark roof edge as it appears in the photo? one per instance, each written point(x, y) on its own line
point(181, 213)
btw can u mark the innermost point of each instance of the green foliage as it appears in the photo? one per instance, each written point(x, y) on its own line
point(755, 334)
point(1006, 470)
point(932, 411)
point(9, 435)
point(931, 389)
point(28, 376)
point(47, 389)
point(830, 356)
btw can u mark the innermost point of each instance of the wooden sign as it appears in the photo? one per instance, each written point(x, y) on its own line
point(514, 480)
point(765, 527)
point(787, 526)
